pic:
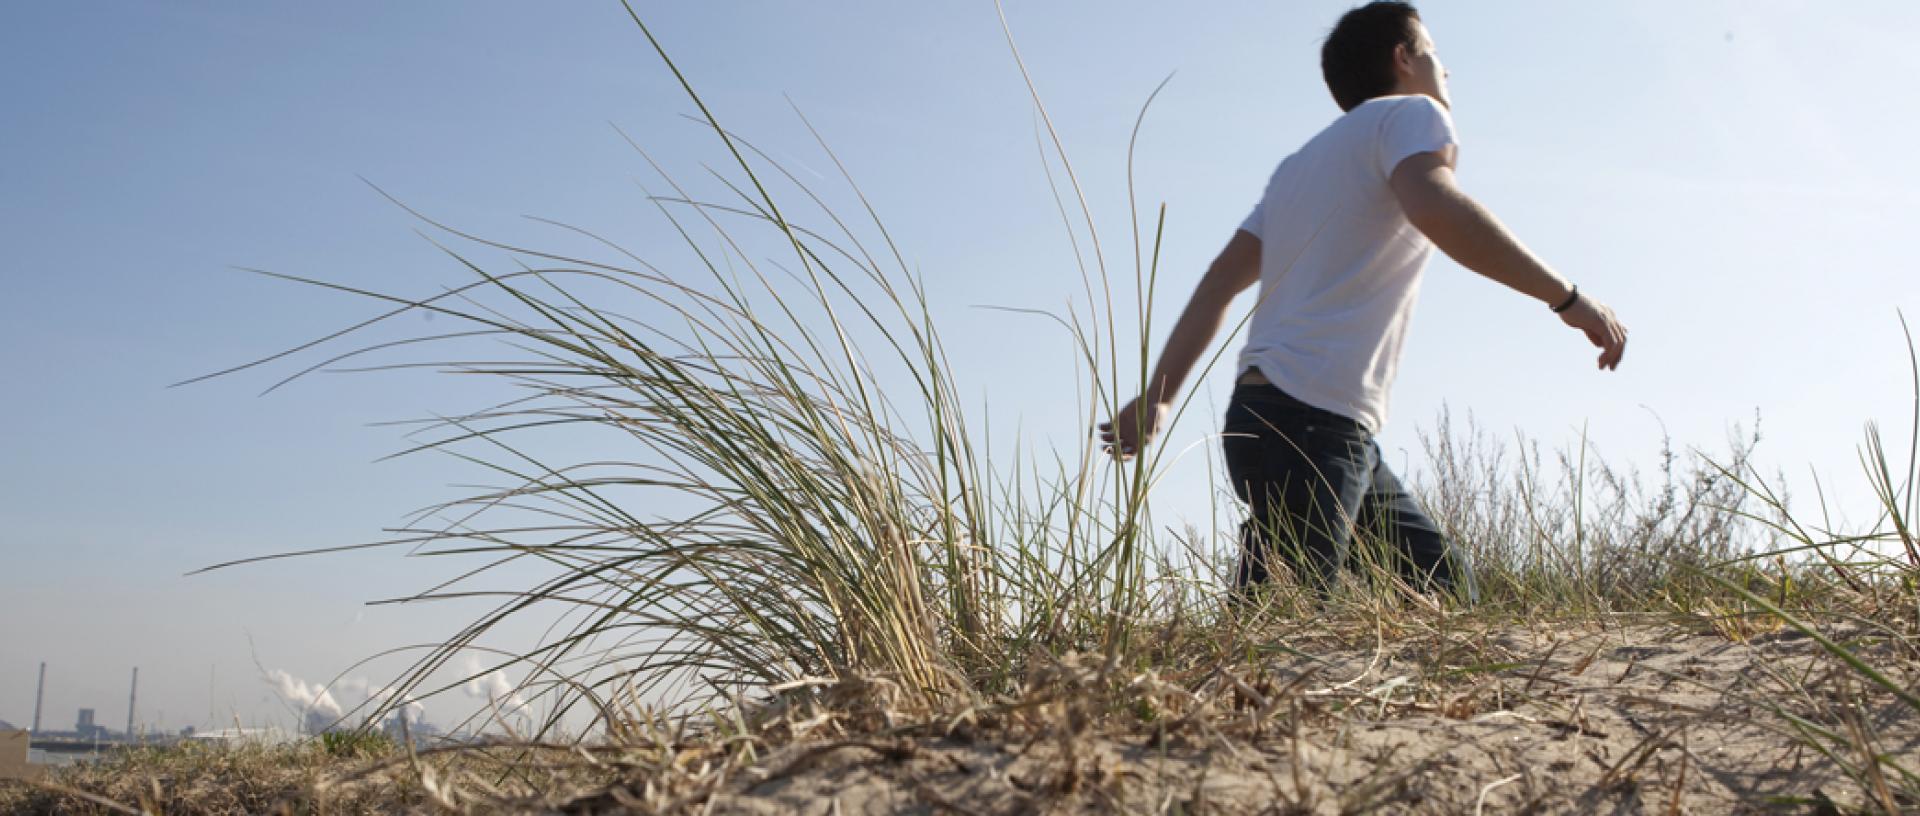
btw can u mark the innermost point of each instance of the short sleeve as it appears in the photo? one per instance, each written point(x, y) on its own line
point(1256, 219)
point(1417, 124)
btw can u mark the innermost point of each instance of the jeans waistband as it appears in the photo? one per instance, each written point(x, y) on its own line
point(1252, 387)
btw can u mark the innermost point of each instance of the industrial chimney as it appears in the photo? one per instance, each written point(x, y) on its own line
point(39, 696)
point(132, 695)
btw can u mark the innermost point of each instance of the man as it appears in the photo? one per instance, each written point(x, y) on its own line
point(1337, 244)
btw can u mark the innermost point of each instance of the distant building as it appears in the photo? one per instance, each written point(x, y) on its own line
point(87, 728)
point(318, 722)
point(424, 734)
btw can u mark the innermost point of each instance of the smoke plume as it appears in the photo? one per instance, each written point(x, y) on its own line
point(318, 710)
point(408, 709)
point(500, 693)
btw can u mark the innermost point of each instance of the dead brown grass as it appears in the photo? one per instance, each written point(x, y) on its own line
point(1625, 715)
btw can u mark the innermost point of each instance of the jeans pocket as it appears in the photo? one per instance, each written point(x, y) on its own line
point(1341, 437)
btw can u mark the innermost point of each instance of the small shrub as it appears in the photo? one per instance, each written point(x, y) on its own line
point(356, 744)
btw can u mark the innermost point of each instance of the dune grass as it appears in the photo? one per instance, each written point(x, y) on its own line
point(848, 566)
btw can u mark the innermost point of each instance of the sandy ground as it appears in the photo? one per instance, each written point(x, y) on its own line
point(1633, 720)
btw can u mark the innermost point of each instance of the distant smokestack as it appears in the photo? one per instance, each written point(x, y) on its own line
point(39, 696)
point(132, 695)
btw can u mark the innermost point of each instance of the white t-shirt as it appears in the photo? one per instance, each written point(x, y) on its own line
point(1339, 262)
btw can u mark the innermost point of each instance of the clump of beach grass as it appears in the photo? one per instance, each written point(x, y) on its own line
point(847, 576)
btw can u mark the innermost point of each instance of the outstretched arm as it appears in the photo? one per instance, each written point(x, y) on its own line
point(1237, 268)
point(1471, 235)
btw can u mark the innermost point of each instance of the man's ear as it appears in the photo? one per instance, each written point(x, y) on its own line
point(1403, 60)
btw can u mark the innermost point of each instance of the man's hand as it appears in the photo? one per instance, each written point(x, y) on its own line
point(1236, 269)
point(1602, 328)
point(1133, 427)
point(1468, 233)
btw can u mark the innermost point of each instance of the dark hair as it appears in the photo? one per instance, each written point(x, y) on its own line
point(1357, 58)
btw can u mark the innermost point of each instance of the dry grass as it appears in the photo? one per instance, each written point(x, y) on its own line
point(204, 779)
point(1619, 714)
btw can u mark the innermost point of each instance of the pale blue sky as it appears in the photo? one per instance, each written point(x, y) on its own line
point(1733, 178)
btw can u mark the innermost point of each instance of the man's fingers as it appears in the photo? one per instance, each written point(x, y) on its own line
point(1616, 347)
point(1607, 334)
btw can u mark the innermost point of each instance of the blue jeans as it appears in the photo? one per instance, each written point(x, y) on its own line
point(1309, 478)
